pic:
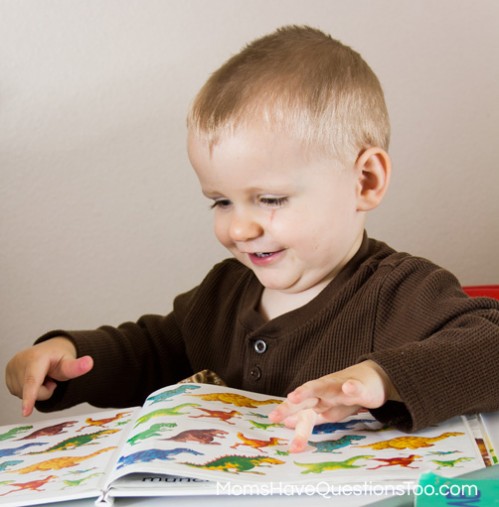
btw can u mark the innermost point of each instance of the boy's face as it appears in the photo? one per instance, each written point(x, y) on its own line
point(288, 214)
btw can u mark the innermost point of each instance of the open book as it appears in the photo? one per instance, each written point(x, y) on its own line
point(190, 439)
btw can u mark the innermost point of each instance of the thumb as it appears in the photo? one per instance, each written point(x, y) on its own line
point(70, 368)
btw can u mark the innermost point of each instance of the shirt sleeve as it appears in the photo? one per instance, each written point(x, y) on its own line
point(439, 347)
point(130, 361)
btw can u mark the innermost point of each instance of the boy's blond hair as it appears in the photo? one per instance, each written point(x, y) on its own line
point(299, 80)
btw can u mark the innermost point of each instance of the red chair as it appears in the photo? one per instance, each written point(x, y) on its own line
point(490, 291)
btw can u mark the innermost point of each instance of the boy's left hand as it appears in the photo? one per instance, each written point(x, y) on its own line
point(332, 398)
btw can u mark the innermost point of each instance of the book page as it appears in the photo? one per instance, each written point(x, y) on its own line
point(59, 459)
point(220, 434)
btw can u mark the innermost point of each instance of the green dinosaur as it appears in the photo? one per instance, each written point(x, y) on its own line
point(450, 463)
point(154, 431)
point(78, 441)
point(13, 432)
point(265, 426)
point(318, 468)
point(71, 483)
point(164, 412)
point(236, 464)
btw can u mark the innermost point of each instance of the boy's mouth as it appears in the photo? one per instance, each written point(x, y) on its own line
point(263, 258)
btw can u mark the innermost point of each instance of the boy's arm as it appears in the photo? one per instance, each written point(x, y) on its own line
point(129, 362)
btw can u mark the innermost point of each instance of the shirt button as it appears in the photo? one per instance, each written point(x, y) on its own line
point(260, 346)
point(256, 373)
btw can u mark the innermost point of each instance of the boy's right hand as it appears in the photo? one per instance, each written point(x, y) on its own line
point(31, 373)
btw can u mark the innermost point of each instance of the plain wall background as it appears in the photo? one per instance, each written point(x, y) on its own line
point(101, 218)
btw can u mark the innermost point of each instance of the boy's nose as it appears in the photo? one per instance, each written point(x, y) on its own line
point(244, 228)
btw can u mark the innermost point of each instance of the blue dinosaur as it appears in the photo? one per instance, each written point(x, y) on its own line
point(7, 464)
point(184, 388)
point(331, 427)
point(16, 450)
point(154, 454)
point(331, 445)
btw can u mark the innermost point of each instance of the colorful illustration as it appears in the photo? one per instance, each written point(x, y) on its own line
point(218, 414)
point(152, 455)
point(400, 461)
point(73, 483)
point(35, 485)
point(154, 431)
point(166, 395)
point(237, 400)
point(74, 442)
point(164, 412)
point(332, 445)
point(60, 463)
point(49, 431)
point(410, 441)
point(258, 444)
point(103, 422)
point(205, 437)
point(9, 464)
point(238, 464)
point(318, 468)
point(13, 432)
point(17, 450)
point(265, 426)
point(450, 463)
point(331, 427)
point(225, 434)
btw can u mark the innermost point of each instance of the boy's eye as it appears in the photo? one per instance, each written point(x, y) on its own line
point(220, 203)
point(272, 201)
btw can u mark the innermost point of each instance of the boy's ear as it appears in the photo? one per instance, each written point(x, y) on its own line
point(373, 167)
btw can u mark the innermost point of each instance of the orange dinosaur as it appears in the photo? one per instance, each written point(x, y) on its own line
point(59, 463)
point(258, 444)
point(103, 422)
point(235, 399)
point(218, 414)
point(32, 485)
point(400, 461)
point(410, 441)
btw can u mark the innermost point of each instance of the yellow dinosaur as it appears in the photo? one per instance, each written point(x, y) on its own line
point(410, 441)
point(59, 463)
point(235, 399)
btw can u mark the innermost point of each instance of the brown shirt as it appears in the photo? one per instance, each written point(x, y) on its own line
point(439, 347)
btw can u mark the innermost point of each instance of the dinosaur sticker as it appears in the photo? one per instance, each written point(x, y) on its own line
point(332, 445)
point(323, 466)
point(35, 485)
point(154, 431)
point(167, 395)
point(49, 431)
point(61, 462)
point(410, 441)
point(152, 455)
point(162, 412)
point(200, 436)
point(13, 432)
point(105, 421)
point(258, 444)
point(238, 464)
point(218, 414)
point(74, 442)
point(235, 399)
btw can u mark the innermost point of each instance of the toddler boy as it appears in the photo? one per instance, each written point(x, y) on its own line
point(289, 141)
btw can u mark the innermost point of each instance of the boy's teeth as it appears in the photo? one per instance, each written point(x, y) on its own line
point(263, 254)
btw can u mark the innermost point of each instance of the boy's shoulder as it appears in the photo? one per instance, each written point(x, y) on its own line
point(400, 272)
